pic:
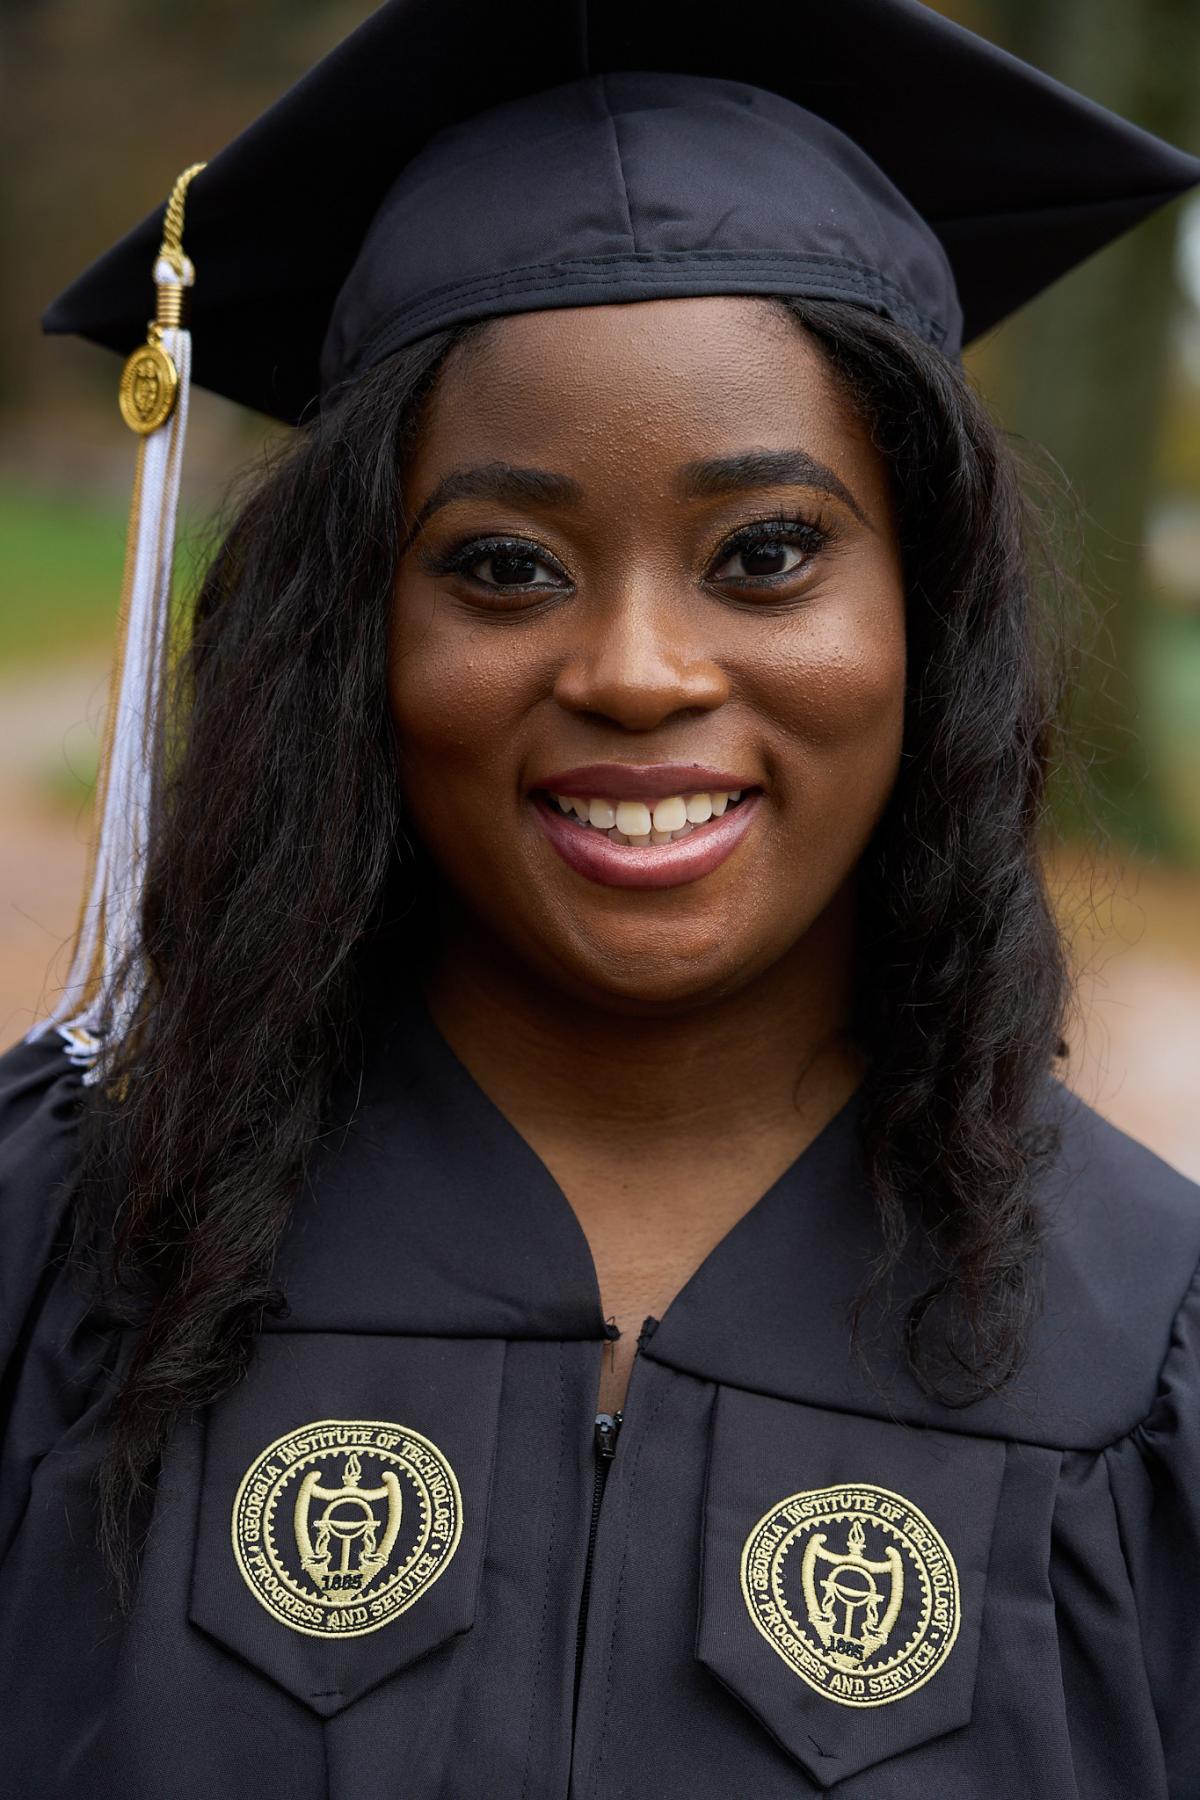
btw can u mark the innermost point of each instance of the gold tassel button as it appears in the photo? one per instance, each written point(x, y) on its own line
point(149, 387)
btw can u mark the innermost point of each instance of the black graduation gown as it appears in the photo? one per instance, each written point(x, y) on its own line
point(366, 1572)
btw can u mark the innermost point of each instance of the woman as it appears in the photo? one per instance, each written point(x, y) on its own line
point(594, 1287)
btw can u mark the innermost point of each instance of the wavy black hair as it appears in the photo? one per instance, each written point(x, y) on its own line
point(278, 857)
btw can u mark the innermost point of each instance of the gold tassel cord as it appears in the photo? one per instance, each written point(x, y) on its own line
point(172, 300)
point(172, 239)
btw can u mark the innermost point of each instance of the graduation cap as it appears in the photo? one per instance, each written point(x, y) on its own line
point(460, 159)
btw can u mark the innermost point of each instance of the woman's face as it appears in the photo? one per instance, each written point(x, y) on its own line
point(653, 564)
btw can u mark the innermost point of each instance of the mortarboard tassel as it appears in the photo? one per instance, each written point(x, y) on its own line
point(103, 988)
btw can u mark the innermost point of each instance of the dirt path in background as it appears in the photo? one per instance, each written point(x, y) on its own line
point(50, 721)
point(1135, 1043)
point(1136, 1046)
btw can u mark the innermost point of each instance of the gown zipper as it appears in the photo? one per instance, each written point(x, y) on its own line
point(605, 1430)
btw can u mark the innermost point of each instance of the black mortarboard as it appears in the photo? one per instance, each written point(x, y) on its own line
point(866, 150)
point(458, 159)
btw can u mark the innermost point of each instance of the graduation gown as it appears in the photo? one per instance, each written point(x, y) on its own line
point(400, 1558)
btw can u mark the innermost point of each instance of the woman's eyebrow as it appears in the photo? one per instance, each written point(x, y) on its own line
point(514, 485)
point(499, 481)
point(764, 468)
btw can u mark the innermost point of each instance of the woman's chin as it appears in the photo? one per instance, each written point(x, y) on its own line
point(655, 968)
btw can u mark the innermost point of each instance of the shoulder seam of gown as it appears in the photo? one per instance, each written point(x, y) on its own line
point(1191, 1293)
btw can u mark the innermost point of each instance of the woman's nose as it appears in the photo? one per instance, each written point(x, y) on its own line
point(635, 664)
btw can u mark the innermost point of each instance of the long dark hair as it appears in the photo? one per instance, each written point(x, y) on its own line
point(278, 855)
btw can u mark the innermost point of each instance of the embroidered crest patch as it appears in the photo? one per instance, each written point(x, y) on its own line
point(855, 1590)
point(341, 1526)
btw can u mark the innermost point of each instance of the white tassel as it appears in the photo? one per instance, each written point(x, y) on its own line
point(106, 978)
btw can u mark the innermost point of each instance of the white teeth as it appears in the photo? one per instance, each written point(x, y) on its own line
point(633, 818)
point(637, 823)
point(670, 814)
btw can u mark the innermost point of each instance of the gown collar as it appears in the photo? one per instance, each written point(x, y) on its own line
point(426, 1213)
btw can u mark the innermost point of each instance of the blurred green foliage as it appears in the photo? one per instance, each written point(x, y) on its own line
point(60, 564)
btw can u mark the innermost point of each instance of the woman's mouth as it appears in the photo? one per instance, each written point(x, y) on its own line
point(646, 843)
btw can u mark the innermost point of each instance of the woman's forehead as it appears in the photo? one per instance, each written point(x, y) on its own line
point(675, 376)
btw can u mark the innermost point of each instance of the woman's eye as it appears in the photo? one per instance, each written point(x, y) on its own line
point(770, 555)
point(503, 566)
point(511, 569)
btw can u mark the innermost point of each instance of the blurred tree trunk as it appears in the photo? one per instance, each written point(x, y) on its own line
point(1090, 361)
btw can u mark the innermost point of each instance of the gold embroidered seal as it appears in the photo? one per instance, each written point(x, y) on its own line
point(855, 1590)
point(341, 1526)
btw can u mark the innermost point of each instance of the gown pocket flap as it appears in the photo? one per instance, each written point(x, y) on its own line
point(845, 1561)
point(344, 1506)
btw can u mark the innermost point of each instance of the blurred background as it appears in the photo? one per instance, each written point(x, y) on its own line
point(107, 99)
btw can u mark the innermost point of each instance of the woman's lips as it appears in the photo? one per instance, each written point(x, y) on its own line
point(593, 854)
point(640, 781)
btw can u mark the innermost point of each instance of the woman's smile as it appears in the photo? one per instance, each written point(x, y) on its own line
point(627, 824)
point(650, 843)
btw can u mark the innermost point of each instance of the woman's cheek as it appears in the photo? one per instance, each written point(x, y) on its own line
point(449, 692)
point(837, 695)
